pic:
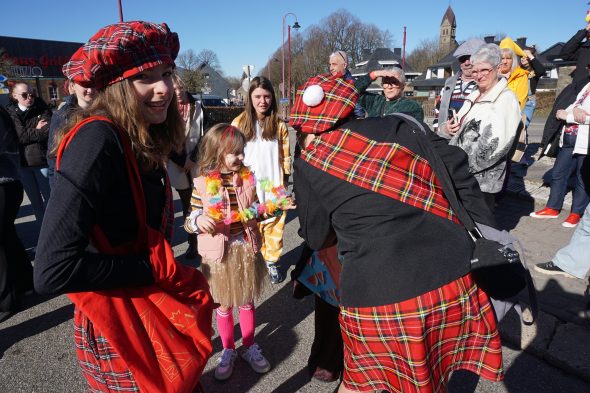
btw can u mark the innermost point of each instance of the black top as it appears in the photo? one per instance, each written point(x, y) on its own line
point(578, 49)
point(391, 251)
point(32, 141)
point(92, 188)
point(539, 72)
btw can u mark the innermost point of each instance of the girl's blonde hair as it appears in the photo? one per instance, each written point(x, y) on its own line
point(221, 139)
point(270, 121)
point(118, 103)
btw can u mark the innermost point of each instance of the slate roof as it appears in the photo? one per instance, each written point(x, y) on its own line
point(372, 62)
point(450, 15)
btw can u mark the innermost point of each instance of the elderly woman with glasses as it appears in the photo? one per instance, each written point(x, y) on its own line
point(392, 101)
point(485, 126)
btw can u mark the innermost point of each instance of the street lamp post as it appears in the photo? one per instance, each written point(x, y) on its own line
point(120, 12)
point(295, 26)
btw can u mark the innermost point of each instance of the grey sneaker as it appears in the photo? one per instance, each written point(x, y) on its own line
point(225, 364)
point(550, 268)
point(253, 356)
point(275, 274)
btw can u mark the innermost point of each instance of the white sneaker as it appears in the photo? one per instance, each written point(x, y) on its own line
point(253, 356)
point(225, 364)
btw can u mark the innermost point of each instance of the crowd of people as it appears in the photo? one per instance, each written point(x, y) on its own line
point(393, 311)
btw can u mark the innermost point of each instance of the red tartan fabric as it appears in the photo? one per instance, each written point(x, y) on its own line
point(386, 168)
point(159, 334)
point(340, 97)
point(120, 51)
point(413, 346)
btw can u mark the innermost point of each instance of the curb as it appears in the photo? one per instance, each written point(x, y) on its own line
point(551, 340)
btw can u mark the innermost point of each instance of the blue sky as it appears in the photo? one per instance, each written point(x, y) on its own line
point(247, 32)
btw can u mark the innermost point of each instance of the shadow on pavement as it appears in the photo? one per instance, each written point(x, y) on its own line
point(31, 327)
point(278, 316)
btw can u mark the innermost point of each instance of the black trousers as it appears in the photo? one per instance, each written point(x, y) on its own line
point(327, 350)
point(16, 272)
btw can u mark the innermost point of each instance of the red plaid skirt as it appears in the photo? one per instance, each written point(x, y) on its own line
point(102, 367)
point(414, 345)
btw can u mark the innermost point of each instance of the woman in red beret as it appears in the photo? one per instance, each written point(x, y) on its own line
point(142, 322)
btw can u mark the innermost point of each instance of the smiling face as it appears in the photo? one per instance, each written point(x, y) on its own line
point(261, 101)
point(154, 91)
point(337, 65)
point(84, 95)
point(23, 94)
point(232, 162)
point(485, 75)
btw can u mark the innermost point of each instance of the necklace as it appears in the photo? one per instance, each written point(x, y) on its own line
point(270, 207)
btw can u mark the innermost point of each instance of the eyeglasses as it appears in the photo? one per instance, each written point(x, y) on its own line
point(482, 72)
point(27, 95)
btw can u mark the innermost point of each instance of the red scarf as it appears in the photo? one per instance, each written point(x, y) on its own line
point(161, 331)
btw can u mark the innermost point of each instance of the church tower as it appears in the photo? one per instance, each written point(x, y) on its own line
point(447, 31)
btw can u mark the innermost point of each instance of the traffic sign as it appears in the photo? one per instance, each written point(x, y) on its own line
point(3, 78)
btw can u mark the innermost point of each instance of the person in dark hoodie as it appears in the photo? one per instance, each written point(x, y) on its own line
point(31, 117)
point(80, 97)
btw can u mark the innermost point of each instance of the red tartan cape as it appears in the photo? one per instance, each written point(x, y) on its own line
point(161, 331)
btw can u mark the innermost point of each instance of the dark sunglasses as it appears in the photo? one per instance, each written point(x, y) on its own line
point(463, 59)
point(27, 95)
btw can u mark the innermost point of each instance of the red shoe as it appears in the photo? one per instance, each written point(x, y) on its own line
point(545, 213)
point(572, 220)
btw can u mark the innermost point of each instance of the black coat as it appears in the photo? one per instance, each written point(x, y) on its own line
point(578, 49)
point(390, 251)
point(32, 141)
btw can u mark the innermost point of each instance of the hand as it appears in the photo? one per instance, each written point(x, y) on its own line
point(385, 74)
point(189, 164)
point(580, 115)
point(561, 114)
point(289, 205)
point(42, 123)
point(206, 224)
point(528, 54)
point(452, 127)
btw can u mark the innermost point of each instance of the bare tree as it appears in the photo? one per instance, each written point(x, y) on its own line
point(210, 58)
point(190, 73)
point(426, 53)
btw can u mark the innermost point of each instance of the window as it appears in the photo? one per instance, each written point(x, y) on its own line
point(53, 93)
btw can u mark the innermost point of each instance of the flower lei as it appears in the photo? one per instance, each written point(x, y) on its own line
point(270, 207)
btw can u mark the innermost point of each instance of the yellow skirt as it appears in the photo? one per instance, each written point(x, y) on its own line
point(240, 277)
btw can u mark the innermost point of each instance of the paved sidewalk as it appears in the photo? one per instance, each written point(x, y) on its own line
point(561, 335)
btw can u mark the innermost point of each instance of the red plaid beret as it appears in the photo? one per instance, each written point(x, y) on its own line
point(119, 51)
point(338, 102)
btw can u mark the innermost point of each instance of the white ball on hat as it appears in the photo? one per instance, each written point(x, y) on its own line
point(313, 95)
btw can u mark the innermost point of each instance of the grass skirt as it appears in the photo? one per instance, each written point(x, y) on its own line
point(240, 277)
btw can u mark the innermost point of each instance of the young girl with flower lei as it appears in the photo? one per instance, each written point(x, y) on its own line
point(225, 213)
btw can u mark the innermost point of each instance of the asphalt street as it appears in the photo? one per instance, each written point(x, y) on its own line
point(37, 350)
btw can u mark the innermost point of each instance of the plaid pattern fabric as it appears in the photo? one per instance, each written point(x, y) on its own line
point(102, 367)
point(414, 345)
point(120, 51)
point(340, 97)
point(386, 168)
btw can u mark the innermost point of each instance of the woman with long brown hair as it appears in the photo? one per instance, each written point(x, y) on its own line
point(268, 155)
point(142, 322)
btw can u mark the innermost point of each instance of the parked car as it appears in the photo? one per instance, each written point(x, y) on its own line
point(210, 100)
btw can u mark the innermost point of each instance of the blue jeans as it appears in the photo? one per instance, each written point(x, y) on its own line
point(529, 110)
point(573, 258)
point(565, 165)
point(36, 185)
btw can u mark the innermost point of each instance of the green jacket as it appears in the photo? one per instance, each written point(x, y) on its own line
point(377, 105)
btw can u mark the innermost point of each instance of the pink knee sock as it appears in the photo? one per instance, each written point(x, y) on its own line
point(247, 323)
point(225, 326)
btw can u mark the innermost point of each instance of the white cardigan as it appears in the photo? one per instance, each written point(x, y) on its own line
point(581, 146)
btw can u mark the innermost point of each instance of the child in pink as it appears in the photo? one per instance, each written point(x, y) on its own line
point(224, 213)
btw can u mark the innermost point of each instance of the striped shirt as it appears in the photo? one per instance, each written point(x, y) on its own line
point(236, 227)
point(460, 92)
